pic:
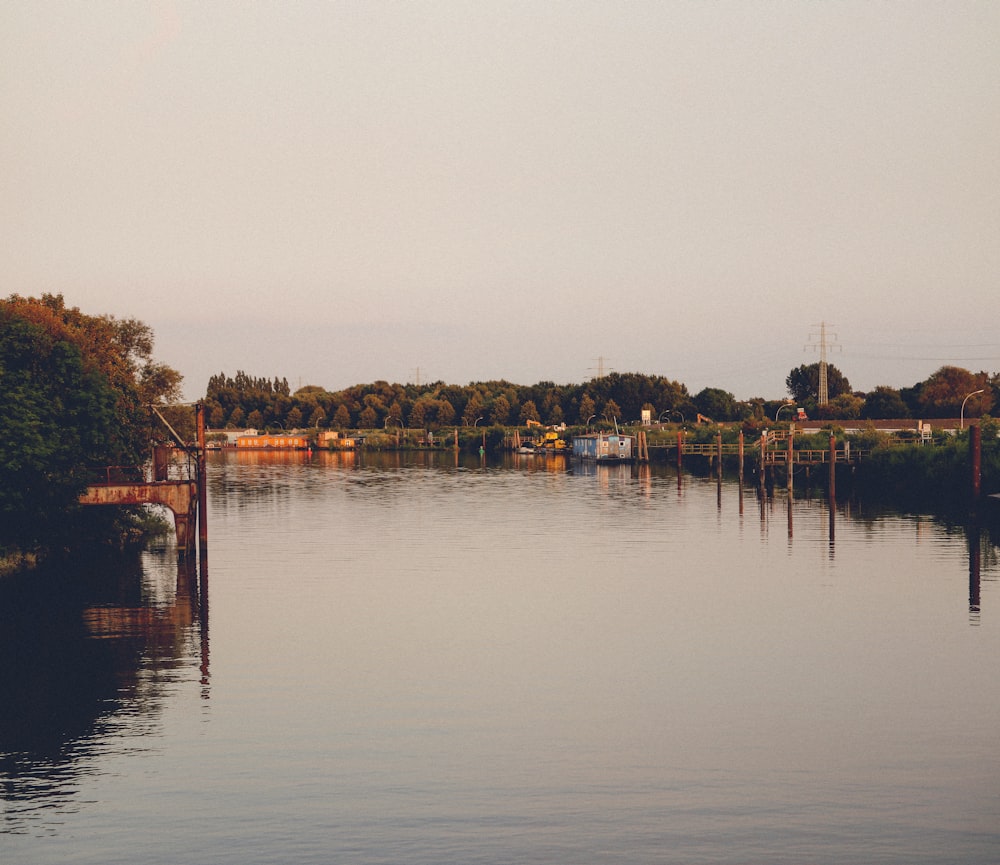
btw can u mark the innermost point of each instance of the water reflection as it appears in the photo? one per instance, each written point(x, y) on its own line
point(85, 646)
point(530, 658)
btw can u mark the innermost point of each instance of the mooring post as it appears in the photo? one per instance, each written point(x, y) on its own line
point(680, 448)
point(833, 467)
point(740, 448)
point(718, 446)
point(791, 455)
point(975, 456)
point(202, 479)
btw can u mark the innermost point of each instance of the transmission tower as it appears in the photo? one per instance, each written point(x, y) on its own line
point(823, 394)
point(600, 367)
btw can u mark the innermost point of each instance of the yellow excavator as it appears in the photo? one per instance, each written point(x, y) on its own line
point(551, 442)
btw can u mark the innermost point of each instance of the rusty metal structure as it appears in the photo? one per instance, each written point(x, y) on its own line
point(186, 496)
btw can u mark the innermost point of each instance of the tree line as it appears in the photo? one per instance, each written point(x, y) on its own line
point(243, 401)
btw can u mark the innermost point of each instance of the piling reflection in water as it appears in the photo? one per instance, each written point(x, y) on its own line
point(84, 645)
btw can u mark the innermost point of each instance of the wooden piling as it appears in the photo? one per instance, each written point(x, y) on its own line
point(202, 478)
point(833, 467)
point(791, 457)
point(975, 459)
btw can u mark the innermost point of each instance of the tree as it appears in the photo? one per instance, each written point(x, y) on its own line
point(588, 408)
point(529, 411)
point(474, 409)
point(803, 382)
point(418, 414)
point(76, 391)
point(943, 393)
point(57, 420)
point(501, 410)
point(317, 418)
point(884, 402)
point(445, 412)
point(847, 406)
point(611, 410)
point(342, 417)
point(717, 404)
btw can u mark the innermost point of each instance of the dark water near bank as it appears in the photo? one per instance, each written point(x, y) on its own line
point(403, 661)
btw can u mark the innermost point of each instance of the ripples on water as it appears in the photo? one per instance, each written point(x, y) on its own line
point(412, 661)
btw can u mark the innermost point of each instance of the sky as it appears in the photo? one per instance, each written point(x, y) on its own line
point(341, 192)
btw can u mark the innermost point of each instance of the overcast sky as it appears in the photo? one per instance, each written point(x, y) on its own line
point(342, 192)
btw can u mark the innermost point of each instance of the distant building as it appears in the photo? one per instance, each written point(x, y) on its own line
point(294, 442)
point(333, 440)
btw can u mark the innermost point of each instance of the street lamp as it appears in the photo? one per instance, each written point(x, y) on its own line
point(961, 424)
point(676, 411)
point(662, 413)
point(788, 404)
point(385, 425)
point(590, 419)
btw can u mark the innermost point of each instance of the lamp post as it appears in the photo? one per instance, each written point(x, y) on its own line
point(780, 407)
point(482, 448)
point(385, 426)
point(961, 423)
point(662, 413)
point(676, 411)
point(589, 420)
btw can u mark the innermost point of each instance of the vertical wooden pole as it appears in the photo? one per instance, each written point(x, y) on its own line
point(202, 478)
point(791, 457)
point(718, 448)
point(740, 445)
point(833, 467)
point(975, 454)
point(680, 448)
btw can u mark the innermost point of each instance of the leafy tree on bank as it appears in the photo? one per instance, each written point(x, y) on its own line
point(803, 383)
point(54, 424)
point(884, 402)
point(75, 391)
point(500, 412)
point(342, 417)
point(943, 393)
point(846, 406)
point(717, 404)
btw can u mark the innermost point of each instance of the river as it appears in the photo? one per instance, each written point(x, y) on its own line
point(406, 658)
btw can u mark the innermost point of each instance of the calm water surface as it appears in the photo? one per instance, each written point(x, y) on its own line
point(401, 660)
